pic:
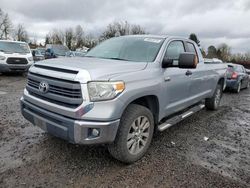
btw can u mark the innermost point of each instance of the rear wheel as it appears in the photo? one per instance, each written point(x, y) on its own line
point(134, 134)
point(248, 85)
point(214, 102)
point(238, 88)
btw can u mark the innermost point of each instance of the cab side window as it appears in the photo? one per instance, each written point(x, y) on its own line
point(175, 48)
point(191, 48)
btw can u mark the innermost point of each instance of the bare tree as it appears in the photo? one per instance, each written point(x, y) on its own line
point(5, 25)
point(79, 37)
point(55, 36)
point(111, 31)
point(20, 33)
point(48, 39)
point(69, 37)
point(90, 41)
point(211, 52)
point(224, 52)
point(137, 30)
point(194, 38)
point(121, 28)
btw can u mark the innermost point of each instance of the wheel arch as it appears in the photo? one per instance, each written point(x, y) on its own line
point(149, 101)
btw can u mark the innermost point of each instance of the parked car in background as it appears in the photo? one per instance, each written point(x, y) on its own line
point(122, 91)
point(55, 51)
point(212, 61)
point(75, 54)
point(15, 56)
point(41, 50)
point(83, 49)
point(37, 56)
point(237, 77)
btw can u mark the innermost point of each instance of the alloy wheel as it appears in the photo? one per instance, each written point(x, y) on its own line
point(138, 135)
point(217, 96)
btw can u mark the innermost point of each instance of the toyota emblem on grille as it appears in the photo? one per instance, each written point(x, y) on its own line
point(43, 87)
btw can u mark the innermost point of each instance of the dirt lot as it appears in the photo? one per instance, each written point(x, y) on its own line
point(178, 157)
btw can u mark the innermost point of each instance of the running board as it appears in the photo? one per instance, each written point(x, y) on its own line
point(176, 119)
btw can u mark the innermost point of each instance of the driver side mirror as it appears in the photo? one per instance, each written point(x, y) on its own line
point(186, 60)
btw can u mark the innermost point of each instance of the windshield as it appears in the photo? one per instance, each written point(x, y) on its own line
point(41, 50)
point(14, 47)
point(36, 52)
point(60, 50)
point(139, 49)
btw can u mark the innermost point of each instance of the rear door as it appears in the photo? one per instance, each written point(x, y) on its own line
point(176, 82)
point(201, 78)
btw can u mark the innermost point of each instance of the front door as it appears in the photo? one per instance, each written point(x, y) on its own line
point(176, 81)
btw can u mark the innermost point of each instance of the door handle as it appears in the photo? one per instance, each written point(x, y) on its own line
point(188, 73)
point(167, 79)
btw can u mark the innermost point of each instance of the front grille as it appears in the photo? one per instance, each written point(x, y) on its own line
point(61, 92)
point(17, 61)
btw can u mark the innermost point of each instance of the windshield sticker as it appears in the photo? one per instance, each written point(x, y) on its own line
point(152, 40)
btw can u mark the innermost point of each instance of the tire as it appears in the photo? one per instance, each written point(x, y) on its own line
point(248, 85)
point(213, 103)
point(237, 90)
point(125, 148)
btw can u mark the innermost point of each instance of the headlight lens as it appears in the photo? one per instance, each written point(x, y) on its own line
point(30, 58)
point(2, 57)
point(99, 91)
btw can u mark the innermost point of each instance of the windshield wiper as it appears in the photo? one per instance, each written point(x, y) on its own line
point(117, 58)
point(9, 52)
point(89, 56)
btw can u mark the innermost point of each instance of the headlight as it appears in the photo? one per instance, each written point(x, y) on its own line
point(99, 91)
point(30, 58)
point(2, 57)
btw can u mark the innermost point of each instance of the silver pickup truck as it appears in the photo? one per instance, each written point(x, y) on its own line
point(123, 91)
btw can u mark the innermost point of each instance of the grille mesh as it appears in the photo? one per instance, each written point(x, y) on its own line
point(17, 61)
point(63, 92)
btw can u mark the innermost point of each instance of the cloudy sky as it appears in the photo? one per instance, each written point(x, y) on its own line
point(214, 21)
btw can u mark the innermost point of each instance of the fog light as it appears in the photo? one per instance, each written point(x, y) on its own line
point(95, 132)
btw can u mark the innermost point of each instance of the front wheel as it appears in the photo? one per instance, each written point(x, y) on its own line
point(134, 134)
point(214, 102)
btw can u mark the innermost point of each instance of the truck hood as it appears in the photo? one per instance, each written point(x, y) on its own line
point(22, 55)
point(97, 68)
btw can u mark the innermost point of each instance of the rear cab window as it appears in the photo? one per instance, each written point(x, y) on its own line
point(191, 48)
point(238, 69)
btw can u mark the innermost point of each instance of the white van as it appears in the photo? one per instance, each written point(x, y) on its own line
point(15, 56)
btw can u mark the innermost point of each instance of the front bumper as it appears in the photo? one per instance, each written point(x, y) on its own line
point(14, 68)
point(74, 131)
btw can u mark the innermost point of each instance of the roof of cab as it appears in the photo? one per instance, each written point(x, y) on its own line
point(147, 35)
point(160, 37)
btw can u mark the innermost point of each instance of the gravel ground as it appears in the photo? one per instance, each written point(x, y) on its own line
point(178, 157)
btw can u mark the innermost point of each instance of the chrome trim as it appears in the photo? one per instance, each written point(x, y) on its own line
point(69, 112)
point(187, 114)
